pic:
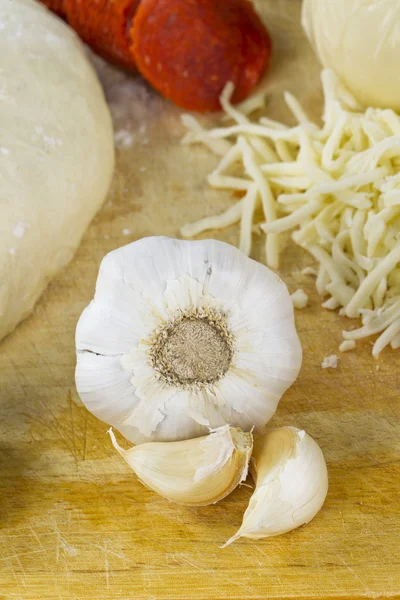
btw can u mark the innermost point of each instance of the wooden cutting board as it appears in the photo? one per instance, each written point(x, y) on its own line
point(75, 523)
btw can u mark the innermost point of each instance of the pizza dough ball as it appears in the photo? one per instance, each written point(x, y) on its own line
point(360, 41)
point(56, 152)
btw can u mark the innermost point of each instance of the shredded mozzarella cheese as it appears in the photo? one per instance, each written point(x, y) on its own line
point(300, 299)
point(337, 188)
point(347, 345)
point(330, 362)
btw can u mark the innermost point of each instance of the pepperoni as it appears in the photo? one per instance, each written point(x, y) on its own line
point(189, 49)
point(105, 25)
point(56, 6)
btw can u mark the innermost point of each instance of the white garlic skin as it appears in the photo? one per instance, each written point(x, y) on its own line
point(144, 286)
point(337, 30)
point(194, 472)
point(291, 479)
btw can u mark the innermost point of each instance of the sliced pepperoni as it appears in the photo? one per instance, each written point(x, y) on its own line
point(56, 6)
point(105, 25)
point(189, 49)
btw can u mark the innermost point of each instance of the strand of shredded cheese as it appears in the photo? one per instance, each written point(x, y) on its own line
point(336, 186)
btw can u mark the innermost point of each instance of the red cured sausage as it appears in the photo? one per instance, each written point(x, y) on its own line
point(57, 6)
point(189, 49)
point(105, 25)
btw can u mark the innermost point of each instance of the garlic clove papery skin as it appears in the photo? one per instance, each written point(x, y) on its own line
point(291, 479)
point(136, 370)
point(194, 472)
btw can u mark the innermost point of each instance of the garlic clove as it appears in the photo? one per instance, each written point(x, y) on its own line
point(291, 479)
point(194, 472)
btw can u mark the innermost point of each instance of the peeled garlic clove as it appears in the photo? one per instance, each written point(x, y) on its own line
point(194, 472)
point(291, 479)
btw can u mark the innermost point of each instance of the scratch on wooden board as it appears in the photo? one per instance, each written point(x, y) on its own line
point(62, 543)
point(150, 578)
point(153, 525)
point(16, 556)
point(55, 426)
point(21, 375)
point(22, 571)
point(113, 553)
point(183, 558)
point(257, 547)
point(244, 586)
point(72, 428)
point(166, 513)
point(15, 577)
point(104, 549)
point(66, 431)
point(370, 593)
point(244, 557)
point(209, 570)
point(379, 492)
point(342, 516)
point(70, 550)
point(85, 437)
point(106, 565)
point(37, 538)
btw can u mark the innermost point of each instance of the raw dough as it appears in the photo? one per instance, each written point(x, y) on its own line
point(360, 40)
point(56, 152)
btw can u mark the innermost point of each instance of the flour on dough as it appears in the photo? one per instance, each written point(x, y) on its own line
point(56, 152)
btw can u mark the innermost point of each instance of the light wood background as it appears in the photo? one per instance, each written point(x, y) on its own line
point(75, 523)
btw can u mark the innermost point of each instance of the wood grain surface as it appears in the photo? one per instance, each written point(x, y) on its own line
point(75, 523)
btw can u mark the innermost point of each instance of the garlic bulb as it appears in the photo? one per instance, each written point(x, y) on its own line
point(291, 479)
point(360, 41)
point(194, 472)
point(183, 336)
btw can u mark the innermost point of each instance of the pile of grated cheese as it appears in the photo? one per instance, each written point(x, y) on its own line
point(336, 186)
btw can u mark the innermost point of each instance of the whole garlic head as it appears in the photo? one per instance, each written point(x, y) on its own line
point(291, 479)
point(183, 336)
point(338, 30)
